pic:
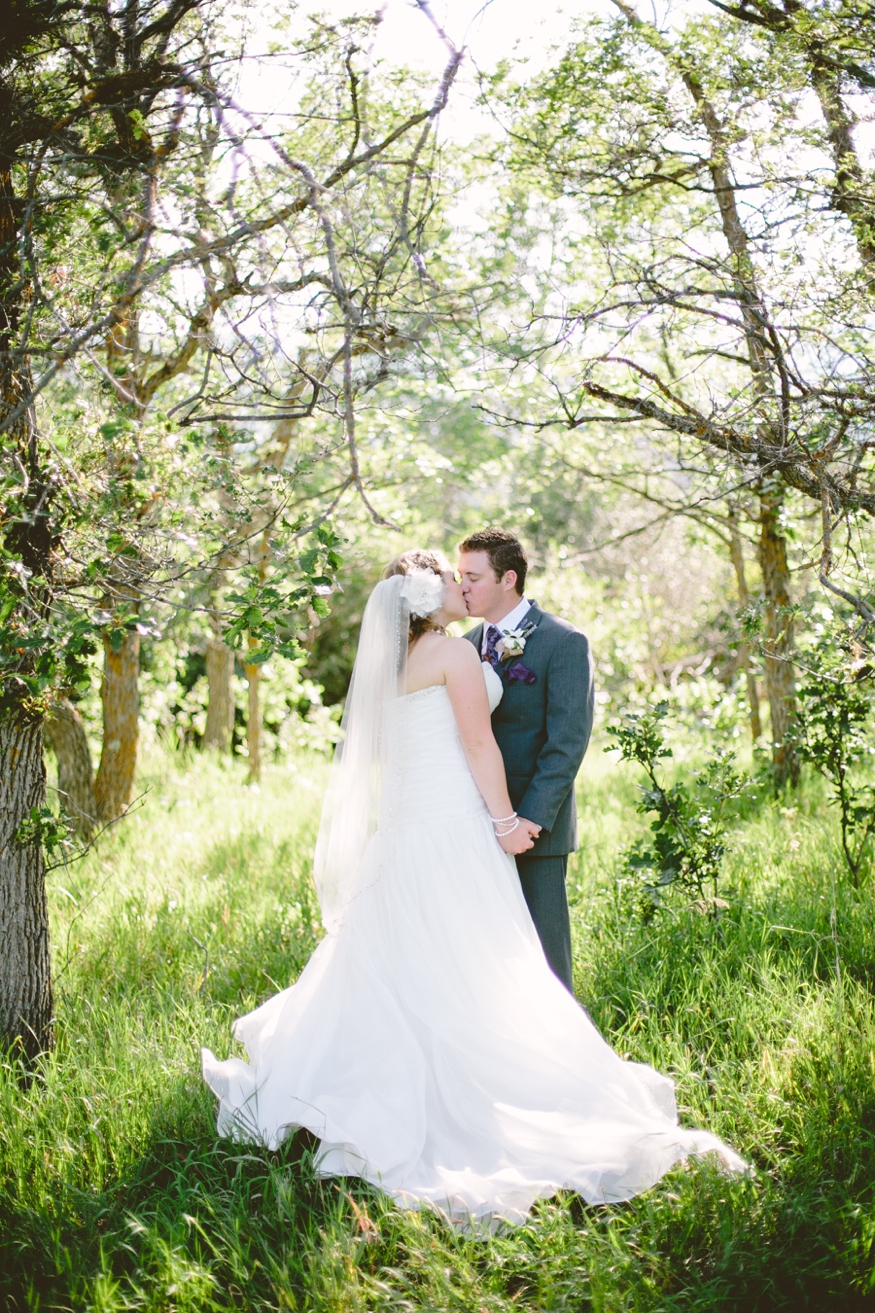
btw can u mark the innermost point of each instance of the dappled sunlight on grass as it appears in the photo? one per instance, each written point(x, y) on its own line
point(116, 1195)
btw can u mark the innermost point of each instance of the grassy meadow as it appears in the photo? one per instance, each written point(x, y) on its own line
point(116, 1195)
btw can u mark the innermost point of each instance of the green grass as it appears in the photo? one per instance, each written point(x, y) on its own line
point(116, 1195)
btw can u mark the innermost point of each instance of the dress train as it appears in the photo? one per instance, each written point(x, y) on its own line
point(428, 1045)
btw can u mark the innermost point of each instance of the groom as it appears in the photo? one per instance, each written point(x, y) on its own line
point(542, 724)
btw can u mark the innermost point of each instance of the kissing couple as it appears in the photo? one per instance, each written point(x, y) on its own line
point(433, 1043)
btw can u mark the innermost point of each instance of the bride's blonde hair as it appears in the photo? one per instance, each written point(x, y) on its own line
point(417, 559)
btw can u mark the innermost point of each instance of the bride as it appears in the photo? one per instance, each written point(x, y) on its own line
point(427, 1043)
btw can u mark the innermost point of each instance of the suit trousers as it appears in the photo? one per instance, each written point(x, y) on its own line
point(543, 883)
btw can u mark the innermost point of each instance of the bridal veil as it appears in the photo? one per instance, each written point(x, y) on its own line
point(351, 810)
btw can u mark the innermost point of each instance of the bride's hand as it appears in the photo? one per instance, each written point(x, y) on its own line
point(519, 840)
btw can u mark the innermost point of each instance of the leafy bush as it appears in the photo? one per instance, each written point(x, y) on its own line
point(689, 820)
point(833, 733)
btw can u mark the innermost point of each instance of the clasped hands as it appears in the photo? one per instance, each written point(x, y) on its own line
point(521, 838)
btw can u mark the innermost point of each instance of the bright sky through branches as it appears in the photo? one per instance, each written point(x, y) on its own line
point(491, 31)
point(497, 29)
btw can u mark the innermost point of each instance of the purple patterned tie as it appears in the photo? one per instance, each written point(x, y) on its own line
point(493, 634)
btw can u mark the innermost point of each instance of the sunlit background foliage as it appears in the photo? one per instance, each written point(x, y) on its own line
point(622, 306)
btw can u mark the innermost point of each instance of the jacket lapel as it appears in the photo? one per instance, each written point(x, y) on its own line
point(533, 616)
point(475, 635)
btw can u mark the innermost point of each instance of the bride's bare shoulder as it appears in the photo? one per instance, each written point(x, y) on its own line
point(460, 654)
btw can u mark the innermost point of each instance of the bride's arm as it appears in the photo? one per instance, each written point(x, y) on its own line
point(467, 689)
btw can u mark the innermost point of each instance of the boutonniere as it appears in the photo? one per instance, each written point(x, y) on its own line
point(513, 642)
point(511, 645)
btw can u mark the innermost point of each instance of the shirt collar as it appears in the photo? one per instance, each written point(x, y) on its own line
point(514, 618)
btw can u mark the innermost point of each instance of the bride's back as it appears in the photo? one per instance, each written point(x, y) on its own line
point(426, 661)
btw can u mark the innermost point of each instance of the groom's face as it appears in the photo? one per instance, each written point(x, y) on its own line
point(485, 595)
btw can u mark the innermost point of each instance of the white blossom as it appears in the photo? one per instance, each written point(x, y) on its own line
point(423, 590)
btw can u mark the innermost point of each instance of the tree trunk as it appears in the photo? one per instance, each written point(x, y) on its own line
point(780, 675)
point(220, 702)
point(120, 694)
point(28, 537)
point(736, 552)
point(850, 194)
point(25, 978)
point(253, 724)
point(119, 689)
point(65, 735)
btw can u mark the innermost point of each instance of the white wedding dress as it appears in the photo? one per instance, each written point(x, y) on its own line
point(427, 1043)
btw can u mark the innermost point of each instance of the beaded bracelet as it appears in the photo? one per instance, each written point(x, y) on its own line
point(502, 834)
point(502, 820)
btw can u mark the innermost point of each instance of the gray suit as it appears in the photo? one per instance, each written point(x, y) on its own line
point(543, 730)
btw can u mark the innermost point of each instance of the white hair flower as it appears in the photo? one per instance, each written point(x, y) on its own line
point(423, 591)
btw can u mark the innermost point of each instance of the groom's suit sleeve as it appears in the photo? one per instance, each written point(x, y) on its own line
point(569, 725)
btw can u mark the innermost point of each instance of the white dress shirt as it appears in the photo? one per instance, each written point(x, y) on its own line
point(512, 620)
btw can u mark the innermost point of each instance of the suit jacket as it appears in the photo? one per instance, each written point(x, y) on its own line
point(543, 728)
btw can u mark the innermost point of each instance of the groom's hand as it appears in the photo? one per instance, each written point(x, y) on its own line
point(517, 842)
point(521, 838)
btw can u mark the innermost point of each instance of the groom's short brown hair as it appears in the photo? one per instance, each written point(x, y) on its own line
point(504, 551)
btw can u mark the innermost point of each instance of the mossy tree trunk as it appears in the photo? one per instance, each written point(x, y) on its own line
point(736, 552)
point(219, 730)
point(65, 735)
point(120, 695)
point(28, 538)
point(120, 686)
point(220, 703)
point(779, 644)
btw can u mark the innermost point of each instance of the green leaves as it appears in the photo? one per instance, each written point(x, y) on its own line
point(40, 648)
point(688, 832)
point(640, 736)
point(834, 733)
point(273, 616)
point(44, 828)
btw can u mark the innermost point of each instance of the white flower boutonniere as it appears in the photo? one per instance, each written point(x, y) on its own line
point(513, 642)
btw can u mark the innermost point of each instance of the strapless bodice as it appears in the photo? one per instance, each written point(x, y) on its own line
point(427, 771)
point(494, 686)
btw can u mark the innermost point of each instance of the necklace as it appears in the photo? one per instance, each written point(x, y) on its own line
point(432, 629)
